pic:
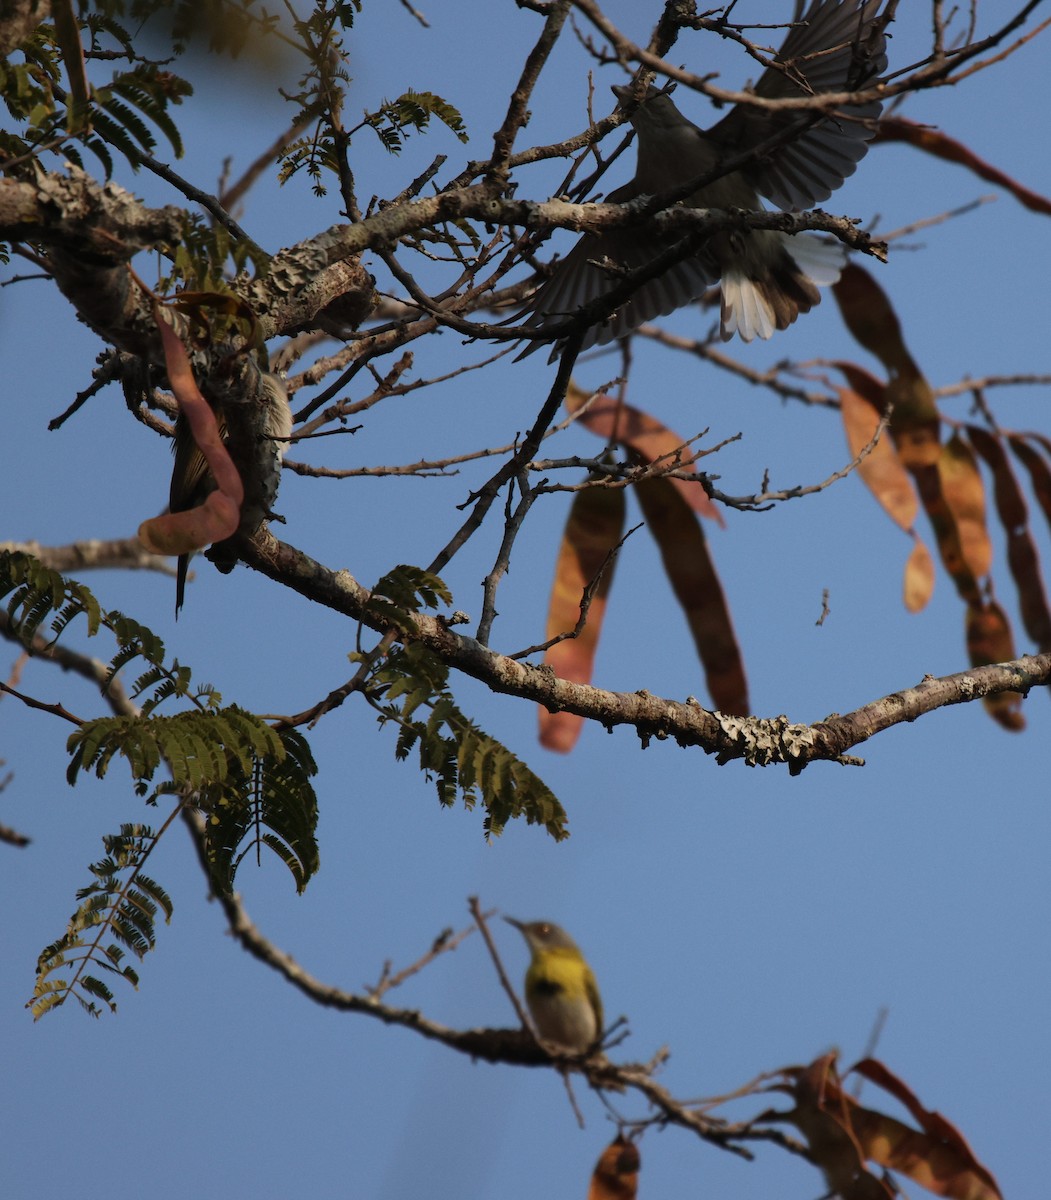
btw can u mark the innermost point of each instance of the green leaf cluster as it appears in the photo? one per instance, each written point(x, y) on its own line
point(252, 782)
point(121, 109)
point(405, 590)
point(413, 111)
point(118, 912)
point(410, 688)
point(227, 27)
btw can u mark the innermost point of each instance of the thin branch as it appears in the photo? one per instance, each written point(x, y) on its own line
point(416, 13)
point(586, 597)
point(770, 378)
point(444, 943)
point(233, 194)
point(764, 500)
point(518, 107)
point(482, 499)
point(475, 910)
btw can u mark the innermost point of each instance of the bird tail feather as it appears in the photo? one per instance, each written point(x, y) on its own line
point(755, 305)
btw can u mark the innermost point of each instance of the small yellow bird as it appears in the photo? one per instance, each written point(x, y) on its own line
point(560, 988)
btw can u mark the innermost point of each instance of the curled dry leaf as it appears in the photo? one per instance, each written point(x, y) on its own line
point(872, 320)
point(218, 517)
point(938, 1158)
point(843, 1136)
point(822, 1114)
point(964, 494)
point(933, 141)
point(882, 469)
point(915, 422)
point(1039, 471)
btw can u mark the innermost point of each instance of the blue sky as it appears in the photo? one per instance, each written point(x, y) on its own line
point(744, 919)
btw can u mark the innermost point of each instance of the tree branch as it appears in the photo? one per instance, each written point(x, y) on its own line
point(758, 741)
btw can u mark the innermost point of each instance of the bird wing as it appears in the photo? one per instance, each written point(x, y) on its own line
point(191, 477)
point(591, 987)
point(834, 48)
point(580, 278)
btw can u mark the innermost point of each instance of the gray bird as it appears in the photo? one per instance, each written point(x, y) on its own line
point(767, 278)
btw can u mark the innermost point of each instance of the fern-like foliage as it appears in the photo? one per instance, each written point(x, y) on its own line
point(248, 777)
point(322, 92)
point(410, 689)
point(118, 911)
point(37, 593)
point(122, 108)
point(252, 782)
point(200, 263)
point(413, 111)
point(272, 804)
point(404, 590)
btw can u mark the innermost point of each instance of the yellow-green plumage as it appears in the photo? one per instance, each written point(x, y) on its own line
point(560, 988)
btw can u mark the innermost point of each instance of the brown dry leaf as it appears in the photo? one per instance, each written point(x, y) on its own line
point(919, 578)
point(649, 439)
point(843, 1136)
point(939, 1158)
point(871, 319)
point(933, 141)
point(616, 1174)
point(184, 532)
point(593, 531)
point(915, 423)
point(822, 1115)
point(1039, 471)
point(964, 494)
point(989, 640)
point(1010, 503)
point(946, 535)
point(882, 469)
point(689, 568)
point(220, 514)
point(1022, 555)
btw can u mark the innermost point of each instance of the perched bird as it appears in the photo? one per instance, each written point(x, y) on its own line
point(768, 278)
point(560, 988)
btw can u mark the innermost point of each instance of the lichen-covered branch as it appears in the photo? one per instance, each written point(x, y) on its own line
point(757, 741)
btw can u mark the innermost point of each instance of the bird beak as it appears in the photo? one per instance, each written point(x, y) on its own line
point(519, 925)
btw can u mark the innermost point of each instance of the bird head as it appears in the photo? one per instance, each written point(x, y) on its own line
point(654, 111)
point(543, 935)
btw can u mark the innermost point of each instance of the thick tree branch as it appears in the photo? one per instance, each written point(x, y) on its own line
point(758, 741)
